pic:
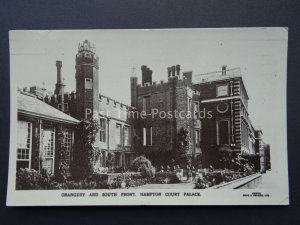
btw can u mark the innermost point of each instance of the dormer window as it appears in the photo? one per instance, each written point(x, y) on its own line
point(88, 83)
point(222, 90)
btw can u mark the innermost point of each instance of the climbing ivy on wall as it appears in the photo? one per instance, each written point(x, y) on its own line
point(181, 156)
point(84, 152)
point(61, 156)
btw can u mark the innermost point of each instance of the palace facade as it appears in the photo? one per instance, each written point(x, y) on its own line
point(212, 108)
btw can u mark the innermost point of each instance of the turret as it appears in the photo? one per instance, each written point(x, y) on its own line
point(87, 80)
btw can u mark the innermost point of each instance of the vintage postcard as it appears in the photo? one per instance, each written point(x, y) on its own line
point(148, 117)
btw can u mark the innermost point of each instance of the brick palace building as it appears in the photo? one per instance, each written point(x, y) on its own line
point(226, 128)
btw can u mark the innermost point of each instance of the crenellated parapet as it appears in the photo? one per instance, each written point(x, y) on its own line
point(56, 99)
point(114, 103)
point(173, 82)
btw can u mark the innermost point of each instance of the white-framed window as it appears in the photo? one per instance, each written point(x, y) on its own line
point(146, 104)
point(88, 83)
point(222, 90)
point(244, 134)
point(48, 148)
point(135, 137)
point(59, 107)
point(24, 144)
point(118, 134)
point(196, 109)
point(102, 130)
point(69, 144)
point(126, 136)
point(197, 138)
point(147, 136)
point(223, 132)
point(197, 106)
point(189, 105)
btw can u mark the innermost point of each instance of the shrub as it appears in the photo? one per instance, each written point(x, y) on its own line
point(129, 180)
point(27, 179)
point(215, 178)
point(32, 180)
point(143, 165)
point(201, 184)
point(100, 180)
point(166, 177)
point(118, 169)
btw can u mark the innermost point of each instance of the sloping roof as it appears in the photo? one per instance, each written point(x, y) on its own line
point(32, 106)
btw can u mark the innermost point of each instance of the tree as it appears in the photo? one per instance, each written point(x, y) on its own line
point(84, 152)
point(182, 156)
point(62, 166)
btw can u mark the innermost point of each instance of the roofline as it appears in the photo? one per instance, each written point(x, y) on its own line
point(121, 103)
point(218, 71)
point(212, 81)
point(225, 78)
point(55, 119)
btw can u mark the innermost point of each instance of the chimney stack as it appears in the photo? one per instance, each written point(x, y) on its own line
point(59, 86)
point(149, 72)
point(58, 67)
point(146, 75)
point(173, 71)
point(178, 70)
point(187, 77)
point(224, 68)
point(133, 89)
point(169, 71)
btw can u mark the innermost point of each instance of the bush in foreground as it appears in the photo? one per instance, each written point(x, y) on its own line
point(127, 180)
point(143, 165)
point(216, 178)
point(27, 179)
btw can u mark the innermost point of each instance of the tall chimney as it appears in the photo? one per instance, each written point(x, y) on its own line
point(169, 71)
point(133, 89)
point(173, 71)
point(59, 86)
point(178, 70)
point(149, 73)
point(58, 67)
point(146, 75)
point(224, 70)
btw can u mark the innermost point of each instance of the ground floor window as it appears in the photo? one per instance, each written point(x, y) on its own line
point(69, 144)
point(102, 129)
point(244, 134)
point(24, 144)
point(126, 136)
point(118, 134)
point(48, 148)
point(197, 132)
point(223, 134)
point(147, 136)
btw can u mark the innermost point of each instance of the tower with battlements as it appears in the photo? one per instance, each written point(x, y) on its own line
point(87, 81)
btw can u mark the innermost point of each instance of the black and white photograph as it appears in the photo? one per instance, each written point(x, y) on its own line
point(148, 117)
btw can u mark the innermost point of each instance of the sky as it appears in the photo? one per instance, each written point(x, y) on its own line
point(261, 54)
